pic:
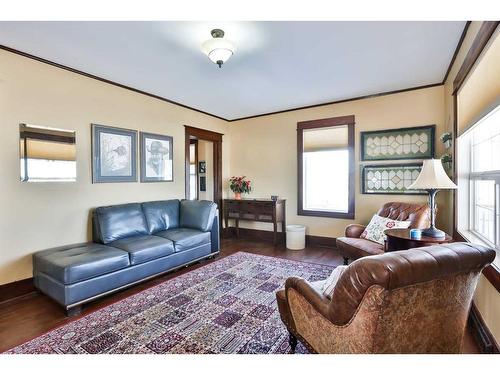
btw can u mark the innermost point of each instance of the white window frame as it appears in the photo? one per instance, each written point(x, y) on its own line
point(485, 176)
point(467, 229)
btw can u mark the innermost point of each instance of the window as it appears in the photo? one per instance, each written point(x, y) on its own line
point(479, 176)
point(46, 154)
point(326, 167)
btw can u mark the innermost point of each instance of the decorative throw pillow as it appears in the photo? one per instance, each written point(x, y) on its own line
point(330, 283)
point(378, 224)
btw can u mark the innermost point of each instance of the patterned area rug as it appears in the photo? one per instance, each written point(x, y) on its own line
point(228, 306)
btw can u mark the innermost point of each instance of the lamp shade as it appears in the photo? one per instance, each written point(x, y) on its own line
point(218, 49)
point(432, 176)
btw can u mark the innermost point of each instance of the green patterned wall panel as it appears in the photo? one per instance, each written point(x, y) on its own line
point(394, 144)
point(390, 178)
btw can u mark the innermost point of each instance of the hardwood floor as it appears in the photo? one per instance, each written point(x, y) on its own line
point(31, 315)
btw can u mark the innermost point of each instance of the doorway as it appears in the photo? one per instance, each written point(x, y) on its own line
point(203, 170)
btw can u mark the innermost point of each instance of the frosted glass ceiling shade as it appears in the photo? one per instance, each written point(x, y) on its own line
point(217, 49)
point(432, 176)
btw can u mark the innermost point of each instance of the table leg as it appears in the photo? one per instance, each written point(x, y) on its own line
point(237, 223)
point(226, 222)
point(275, 230)
point(283, 224)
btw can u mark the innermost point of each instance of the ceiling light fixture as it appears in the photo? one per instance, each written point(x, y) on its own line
point(217, 49)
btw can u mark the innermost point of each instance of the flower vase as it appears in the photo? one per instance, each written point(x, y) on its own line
point(237, 195)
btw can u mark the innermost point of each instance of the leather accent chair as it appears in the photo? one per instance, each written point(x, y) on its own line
point(353, 246)
point(411, 301)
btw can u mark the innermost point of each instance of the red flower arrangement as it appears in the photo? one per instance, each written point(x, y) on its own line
point(240, 185)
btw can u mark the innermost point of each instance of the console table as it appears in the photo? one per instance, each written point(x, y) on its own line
point(262, 210)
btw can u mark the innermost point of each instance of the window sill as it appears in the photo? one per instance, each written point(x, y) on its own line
point(336, 215)
point(492, 272)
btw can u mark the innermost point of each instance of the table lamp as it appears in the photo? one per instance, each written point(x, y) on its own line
point(432, 178)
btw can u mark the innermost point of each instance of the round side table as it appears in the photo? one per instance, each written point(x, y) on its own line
point(399, 239)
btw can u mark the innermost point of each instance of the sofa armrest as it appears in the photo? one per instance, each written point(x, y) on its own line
point(197, 214)
point(215, 234)
point(317, 300)
point(354, 230)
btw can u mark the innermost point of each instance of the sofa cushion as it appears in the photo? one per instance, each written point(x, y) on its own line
point(185, 238)
point(197, 214)
point(161, 215)
point(378, 225)
point(355, 248)
point(144, 248)
point(120, 221)
point(74, 263)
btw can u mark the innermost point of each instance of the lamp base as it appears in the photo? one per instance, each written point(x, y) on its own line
point(433, 232)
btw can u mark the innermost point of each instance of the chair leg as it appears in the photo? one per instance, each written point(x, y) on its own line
point(346, 261)
point(292, 340)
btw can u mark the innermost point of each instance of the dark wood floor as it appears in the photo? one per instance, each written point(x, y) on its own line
point(29, 316)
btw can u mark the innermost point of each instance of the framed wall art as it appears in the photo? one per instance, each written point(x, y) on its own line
point(156, 157)
point(390, 179)
point(114, 154)
point(202, 167)
point(397, 144)
point(203, 183)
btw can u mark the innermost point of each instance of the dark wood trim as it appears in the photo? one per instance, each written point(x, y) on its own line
point(321, 241)
point(187, 163)
point(268, 236)
point(47, 137)
point(16, 289)
point(457, 237)
point(340, 101)
point(455, 164)
point(88, 75)
point(216, 138)
point(480, 41)
point(459, 45)
point(481, 333)
point(326, 122)
point(318, 124)
point(207, 135)
point(493, 275)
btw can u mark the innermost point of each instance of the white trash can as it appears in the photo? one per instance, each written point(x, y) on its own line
point(295, 237)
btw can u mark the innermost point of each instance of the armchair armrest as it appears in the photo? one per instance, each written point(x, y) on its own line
point(354, 230)
point(302, 287)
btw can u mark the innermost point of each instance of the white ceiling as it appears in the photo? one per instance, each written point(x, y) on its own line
point(277, 65)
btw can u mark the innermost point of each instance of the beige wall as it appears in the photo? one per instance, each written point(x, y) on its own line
point(265, 150)
point(482, 87)
point(479, 90)
point(36, 216)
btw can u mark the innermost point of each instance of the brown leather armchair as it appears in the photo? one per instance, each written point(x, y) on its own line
point(352, 246)
point(411, 301)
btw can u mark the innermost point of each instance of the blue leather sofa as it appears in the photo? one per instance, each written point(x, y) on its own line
point(131, 243)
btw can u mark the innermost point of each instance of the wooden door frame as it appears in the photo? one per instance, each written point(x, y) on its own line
point(216, 139)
